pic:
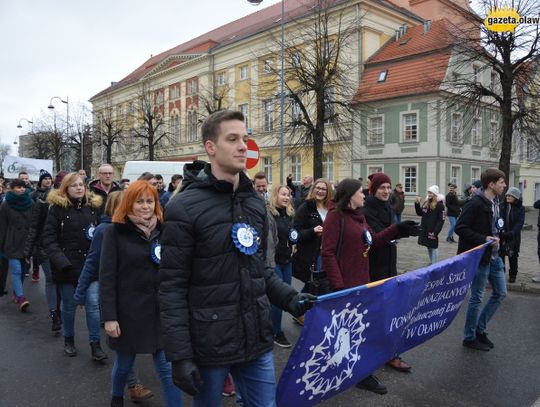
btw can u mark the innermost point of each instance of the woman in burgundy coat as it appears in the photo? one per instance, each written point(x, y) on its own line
point(346, 241)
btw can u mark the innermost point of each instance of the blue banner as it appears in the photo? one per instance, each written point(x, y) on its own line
point(349, 334)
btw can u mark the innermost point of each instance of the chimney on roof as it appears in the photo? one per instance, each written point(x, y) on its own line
point(404, 28)
point(113, 83)
point(397, 35)
point(427, 26)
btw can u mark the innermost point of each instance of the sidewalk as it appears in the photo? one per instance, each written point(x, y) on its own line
point(412, 256)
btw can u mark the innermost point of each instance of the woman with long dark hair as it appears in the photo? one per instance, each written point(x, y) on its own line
point(128, 287)
point(346, 241)
point(73, 216)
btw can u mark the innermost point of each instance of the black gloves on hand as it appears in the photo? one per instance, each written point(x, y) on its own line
point(186, 376)
point(300, 303)
point(408, 228)
point(507, 236)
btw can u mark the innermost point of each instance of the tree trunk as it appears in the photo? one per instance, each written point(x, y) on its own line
point(318, 142)
point(507, 127)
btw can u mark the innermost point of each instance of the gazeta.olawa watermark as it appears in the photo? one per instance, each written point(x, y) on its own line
point(506, 19)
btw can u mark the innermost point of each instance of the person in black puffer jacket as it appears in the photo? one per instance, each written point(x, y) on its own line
point(73, 216)
point(432, 213)
point(280, 219)
point(215, 291)
point(513, 213)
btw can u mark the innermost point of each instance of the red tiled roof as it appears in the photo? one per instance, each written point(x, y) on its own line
point(235, 30)
point(416, 63)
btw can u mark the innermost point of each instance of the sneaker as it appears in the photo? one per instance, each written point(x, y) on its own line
point(228, 387)
point(35, 276)
point(139, 393)
point(476, 345)
point(372, 384)
point(281, 340)
point(23, 303)
point(482, 338)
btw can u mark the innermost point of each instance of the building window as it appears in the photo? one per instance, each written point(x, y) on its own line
point(476, 132)
point(374, 169)
point(382, 76)
point(267, 168)
point(456, 128)
point(268, 106)
point(296, 59)
point(222, 78)
point(159, 97)
point(475, 174)
point(296, 112)
point(329, 105)
point(192, 126)
point(409, 176)
point(296, 168)
point(409, 127)
point(476, 74)
point(455, 174)
point(375, 130)
point(244, 109)
point(268, 66)
point(175, 128)
point(493, 80)
point(174, 92)
point(328, 166)
point(493, 134)
point(192, 86)
point(243, 73)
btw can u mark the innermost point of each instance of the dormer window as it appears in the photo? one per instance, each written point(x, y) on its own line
point(382, 76)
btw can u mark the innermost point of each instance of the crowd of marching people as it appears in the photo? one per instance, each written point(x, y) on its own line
point(198, 273)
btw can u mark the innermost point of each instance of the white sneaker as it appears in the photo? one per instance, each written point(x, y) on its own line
point(536, 279)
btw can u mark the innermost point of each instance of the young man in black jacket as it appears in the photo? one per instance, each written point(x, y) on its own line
point(478, 223)
point(215, 290)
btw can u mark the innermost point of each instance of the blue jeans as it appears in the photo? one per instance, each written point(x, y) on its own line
point(91, 308)
point(452, 220)
point(284, 271)
point(17, 276)
point(476, 321)
point(254, 380)
point(433, 255)
point(397, 217)
point(123, 366)
point(50, 286)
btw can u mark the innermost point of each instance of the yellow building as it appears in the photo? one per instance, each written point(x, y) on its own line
point(236, 66)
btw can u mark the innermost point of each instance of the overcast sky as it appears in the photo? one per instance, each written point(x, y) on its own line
point(76, 48)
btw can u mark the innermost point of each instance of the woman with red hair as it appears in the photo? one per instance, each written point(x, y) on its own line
point(128, 283)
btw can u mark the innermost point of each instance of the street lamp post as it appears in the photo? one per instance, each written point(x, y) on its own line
point(19, 126)
point(281, 87)
point(66, 102)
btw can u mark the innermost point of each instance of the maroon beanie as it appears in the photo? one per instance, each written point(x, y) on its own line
point(377, 179)
point(59, 178)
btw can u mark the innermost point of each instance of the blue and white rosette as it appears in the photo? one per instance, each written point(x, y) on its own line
point(245, 238)
point(293, 236)
point(89, 232)
point(499, 224)
point(368, 238)
point(155, 252)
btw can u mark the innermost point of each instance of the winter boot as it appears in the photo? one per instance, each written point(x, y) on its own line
point(97, 352)
point(56, 322)
point(23, 303)
point(69, 346)
point(117, 401)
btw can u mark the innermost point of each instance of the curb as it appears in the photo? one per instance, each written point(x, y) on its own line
point(530, 288)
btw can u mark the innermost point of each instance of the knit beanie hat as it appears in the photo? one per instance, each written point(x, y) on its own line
point(513, 191)
point(43, 174)
point(377, 179)
point(434, 189)
point(477, 184)
point(59, 178)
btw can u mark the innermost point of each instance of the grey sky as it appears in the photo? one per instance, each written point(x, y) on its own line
point(76, 48)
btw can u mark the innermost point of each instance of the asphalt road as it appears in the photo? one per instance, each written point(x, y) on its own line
point(34, 372)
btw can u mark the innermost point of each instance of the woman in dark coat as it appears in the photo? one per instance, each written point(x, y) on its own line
point(432, 213)
point(346, 243)
point(15, 215)
point(69, 228)
point(513, 213)
point(128, 289)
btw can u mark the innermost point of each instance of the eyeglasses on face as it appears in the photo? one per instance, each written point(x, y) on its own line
point(321, 189)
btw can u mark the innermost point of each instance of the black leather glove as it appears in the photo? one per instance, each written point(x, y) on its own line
point(507, 236)
point(300, 303)
point(408, 228)
point(186, 376)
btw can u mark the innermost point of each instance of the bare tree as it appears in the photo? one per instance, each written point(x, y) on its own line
point(318, 83)
point(4, 151)
point(151, 132)
point(80, 137)
point(508, 58)
point(213, 99)
point(108, 129)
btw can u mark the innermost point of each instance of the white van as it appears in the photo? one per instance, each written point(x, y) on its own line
point(134, 169)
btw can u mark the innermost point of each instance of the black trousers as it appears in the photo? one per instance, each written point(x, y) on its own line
point(513, 260)
point(4, 266)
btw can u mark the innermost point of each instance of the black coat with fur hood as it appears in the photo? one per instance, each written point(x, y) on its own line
point(65, 238)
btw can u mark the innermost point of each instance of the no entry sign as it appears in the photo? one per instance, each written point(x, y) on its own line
point(252, 154)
